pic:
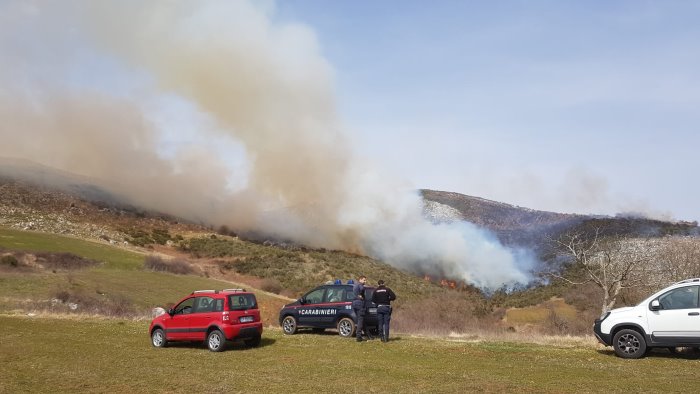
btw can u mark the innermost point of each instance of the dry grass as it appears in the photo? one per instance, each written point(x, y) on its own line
point(441, 314)
point(541, 312)
point(558, 341)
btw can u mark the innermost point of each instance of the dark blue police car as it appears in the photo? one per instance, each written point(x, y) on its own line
point(328, 306)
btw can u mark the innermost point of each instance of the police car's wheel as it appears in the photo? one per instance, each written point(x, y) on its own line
point(216, 341)
point(158, 338)
point(289, 325)
point(346, 327)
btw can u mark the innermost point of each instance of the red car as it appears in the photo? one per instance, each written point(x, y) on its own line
point(212, 316)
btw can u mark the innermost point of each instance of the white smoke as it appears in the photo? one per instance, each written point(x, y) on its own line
point(81, 78)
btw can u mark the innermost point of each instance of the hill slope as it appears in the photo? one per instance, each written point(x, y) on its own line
point(518, 226)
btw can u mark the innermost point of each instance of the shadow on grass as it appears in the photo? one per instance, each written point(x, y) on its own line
point(662, 352)
point(684, 353)
point(230, 346)
point(327, 332)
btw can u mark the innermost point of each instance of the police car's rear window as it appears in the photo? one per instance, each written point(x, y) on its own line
point(239, 302)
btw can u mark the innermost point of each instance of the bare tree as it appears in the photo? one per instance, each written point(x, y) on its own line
point(678, 258)
point(612, 263)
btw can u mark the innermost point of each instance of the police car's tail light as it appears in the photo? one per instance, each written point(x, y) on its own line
point(225, 316)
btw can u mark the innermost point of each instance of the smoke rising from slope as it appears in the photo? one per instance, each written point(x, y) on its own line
point(80, 75)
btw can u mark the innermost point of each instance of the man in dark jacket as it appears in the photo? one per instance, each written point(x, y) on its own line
point(383, 296)
point(358, 305)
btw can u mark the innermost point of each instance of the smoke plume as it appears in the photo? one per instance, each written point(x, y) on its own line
point(100, 88)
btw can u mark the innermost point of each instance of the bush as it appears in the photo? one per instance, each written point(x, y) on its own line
point(9, 260)
point(115, 305)
point(441, 314)
point(175, 266)
point(160, 236)
point(140, 237)
point(65, 261)
point(216, 247)
point(271, 285)
point(224, 230)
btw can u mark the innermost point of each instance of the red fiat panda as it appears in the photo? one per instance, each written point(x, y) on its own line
point(212, 316)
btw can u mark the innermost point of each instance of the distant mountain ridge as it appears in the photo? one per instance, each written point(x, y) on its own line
point(80, 186)
point(518, 226)
point(513, 225)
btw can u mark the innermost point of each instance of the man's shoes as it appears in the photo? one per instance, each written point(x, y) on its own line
point(384, 339)
point(359, 339)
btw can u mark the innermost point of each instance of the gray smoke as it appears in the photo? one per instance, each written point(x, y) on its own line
point(90, 87)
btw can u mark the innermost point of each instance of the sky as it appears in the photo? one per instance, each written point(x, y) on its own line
point(577, 107)
point(316, 122)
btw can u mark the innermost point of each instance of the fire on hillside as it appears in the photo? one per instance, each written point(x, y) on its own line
point(448, 283)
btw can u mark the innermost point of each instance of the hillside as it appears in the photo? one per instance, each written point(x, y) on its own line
point(518, 226)
point(288, 269)
point(70, 215)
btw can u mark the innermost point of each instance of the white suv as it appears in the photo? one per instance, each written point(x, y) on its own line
point(670, 318)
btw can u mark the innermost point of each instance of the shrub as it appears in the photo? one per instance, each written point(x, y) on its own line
point(141, 237)
point(555, 324)
point(442, 313)
point(65, 261)
point(271, 285)
point(215, 247)
point(160, 236)
point(9, 260)
point(108, 305)
point(62, 295)
point(224, 230)
point(175, 266)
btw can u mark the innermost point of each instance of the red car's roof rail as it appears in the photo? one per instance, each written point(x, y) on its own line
point(217, 291)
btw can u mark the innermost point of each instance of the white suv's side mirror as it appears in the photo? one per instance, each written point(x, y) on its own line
point(655, 306)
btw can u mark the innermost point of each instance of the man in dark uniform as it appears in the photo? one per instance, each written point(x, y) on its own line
point(382, 297)
point(358, 305)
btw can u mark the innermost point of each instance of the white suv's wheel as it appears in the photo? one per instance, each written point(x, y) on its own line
point(629, 344)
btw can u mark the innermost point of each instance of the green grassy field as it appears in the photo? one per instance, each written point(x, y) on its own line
point(121, 277)
point(91, 355)
point(42, 242)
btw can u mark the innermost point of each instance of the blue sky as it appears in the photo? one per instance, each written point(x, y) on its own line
point(225, 112)
point(587, 107)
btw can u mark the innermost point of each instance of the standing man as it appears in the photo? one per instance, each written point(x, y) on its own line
point(358, 305)
point(382, 297)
